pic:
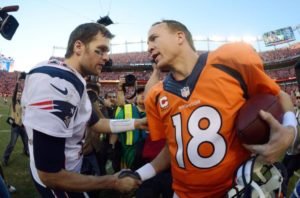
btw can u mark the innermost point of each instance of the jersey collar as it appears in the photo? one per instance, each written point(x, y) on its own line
point(184, 88)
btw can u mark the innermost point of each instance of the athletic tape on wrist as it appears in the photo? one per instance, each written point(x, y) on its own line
point(118, 126)
point(146, 172)
point(289, 119)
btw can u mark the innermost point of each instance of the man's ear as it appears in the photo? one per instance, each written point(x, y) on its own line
point(180, 37)
point(78, 47)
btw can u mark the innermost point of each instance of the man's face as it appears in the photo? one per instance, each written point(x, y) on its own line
point(19, 95)
point(95, 55)
point(162, 45)
point(112, 97)
point(110, 100)
point(140, 99)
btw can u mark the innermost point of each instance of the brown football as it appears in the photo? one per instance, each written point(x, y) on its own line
point(251, 129)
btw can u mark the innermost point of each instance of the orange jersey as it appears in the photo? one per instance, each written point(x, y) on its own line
point(197, 116)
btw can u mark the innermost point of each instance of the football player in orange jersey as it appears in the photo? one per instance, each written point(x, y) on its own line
point(194, 108)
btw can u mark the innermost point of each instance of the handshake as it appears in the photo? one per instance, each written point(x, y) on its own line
point(128, 181)
point(129, 173)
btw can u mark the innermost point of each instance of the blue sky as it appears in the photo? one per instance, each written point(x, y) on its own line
point(48, 23)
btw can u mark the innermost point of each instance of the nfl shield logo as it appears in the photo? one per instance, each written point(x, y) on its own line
point(185, 92)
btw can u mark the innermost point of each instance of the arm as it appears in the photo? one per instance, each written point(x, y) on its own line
point(119, 125)
point(76, 182)
point(287, 106)
point(71, 181)
point(154, 78)
point(281, 135)
point(160, 163)
point(120, 93)
point(49, 158)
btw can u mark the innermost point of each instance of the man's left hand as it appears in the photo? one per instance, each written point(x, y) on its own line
point(141, 123)
point(280, 139)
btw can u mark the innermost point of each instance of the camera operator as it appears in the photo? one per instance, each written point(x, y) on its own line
point(17, 128)
point(125, 83)
point(131, 141)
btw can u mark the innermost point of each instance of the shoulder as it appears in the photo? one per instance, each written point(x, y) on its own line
point(154, 91)
point(235, 54)
point(57, 76)
point(239, 48)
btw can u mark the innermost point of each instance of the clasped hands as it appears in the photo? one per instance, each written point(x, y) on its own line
point(128, 181)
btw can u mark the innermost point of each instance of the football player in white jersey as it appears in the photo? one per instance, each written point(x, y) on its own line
point(57, 111)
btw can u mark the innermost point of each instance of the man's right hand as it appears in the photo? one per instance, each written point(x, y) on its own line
point(126, 184)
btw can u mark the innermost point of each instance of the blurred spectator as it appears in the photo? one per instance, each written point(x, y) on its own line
point(17, 127)
point(5, 188)
point(292, 161)
point(132, 141)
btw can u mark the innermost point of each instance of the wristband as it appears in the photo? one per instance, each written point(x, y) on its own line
point(118, 126)
point(289, 119)
point(146, 172)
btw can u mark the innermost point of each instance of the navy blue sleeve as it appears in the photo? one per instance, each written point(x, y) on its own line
point(49, 152)
point(93, 119)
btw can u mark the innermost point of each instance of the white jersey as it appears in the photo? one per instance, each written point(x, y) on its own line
point(55, 102)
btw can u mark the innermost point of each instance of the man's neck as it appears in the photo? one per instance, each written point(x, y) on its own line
point(73, 65)
point(185, 65)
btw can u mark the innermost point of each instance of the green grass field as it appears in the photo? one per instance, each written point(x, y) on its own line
point(17, 171)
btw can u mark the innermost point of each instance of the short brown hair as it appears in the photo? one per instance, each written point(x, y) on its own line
point(177, 26)
point(85, 33)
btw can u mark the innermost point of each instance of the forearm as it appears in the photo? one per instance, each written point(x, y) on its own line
point(289, 119)
point(76, 182)
point(114, 125)
point(286, 102)
point(162, 161)
point(120, 97)
point(159, 164)
point(154, 78)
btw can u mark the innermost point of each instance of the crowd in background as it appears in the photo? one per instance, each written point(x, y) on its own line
point(110, 104)
point(135, 58)
point(8, 80)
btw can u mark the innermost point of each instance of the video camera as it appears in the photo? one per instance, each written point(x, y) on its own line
point(130, 80)
point(8, 23)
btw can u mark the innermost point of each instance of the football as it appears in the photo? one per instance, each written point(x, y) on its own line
point(250, 128)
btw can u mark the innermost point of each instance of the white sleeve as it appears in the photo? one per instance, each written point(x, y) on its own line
point(50, 104)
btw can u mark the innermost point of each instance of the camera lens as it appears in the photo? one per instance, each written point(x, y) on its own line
point(130, 80)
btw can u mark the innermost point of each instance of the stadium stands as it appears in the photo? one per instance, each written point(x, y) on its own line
point(284, 74)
